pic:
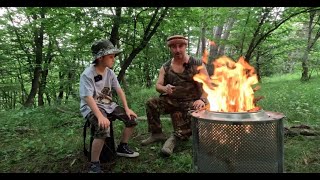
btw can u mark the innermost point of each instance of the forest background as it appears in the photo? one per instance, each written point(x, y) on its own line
point(43, 51)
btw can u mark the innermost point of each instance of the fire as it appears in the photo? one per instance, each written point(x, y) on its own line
point(229, 89)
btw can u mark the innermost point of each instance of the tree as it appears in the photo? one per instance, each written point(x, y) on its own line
point(313, 27)
point(150, 30)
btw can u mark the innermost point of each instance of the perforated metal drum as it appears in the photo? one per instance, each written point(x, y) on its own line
point(245, 142)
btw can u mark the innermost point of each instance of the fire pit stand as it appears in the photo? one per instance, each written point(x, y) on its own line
point(244, 142)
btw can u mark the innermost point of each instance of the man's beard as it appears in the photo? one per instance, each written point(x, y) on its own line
point(178, 55)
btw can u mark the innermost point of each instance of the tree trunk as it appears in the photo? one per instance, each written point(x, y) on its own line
point(189, 49)
point(226, 36)
point(258, 66)
point(41, 89)
point(114, 38)
point(203, 39)
point(147, 76)
point(243, 33)
point(44, 74)
point(38, 39)
point(305, 67)
point(146, 69)
point(198, 46)
point(48, 98)
point(214, 49)
point(256, 38)
point(71, 75)
point(60, 96)
point(21, 81)
point(217, 38)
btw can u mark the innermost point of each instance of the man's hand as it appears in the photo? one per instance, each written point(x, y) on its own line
point(198, 104)
point(169, 88)
point(104, 122)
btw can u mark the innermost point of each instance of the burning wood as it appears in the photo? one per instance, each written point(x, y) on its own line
point(254, 109)
point(206, 107)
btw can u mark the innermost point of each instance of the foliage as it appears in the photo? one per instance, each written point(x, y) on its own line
point(71, 30)
point(138, 96)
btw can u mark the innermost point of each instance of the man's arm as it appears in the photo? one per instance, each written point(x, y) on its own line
point(168, 89)
point(159, 85)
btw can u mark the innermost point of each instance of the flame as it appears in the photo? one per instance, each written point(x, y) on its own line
point(229, 89)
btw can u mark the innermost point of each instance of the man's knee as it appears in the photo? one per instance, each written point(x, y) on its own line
point(180, 117)
point(154, 103)
point(151, 103)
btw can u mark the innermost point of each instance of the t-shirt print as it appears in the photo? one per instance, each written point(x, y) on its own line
point(105, 97)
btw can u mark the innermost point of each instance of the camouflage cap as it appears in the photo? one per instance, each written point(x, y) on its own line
point(103, 47)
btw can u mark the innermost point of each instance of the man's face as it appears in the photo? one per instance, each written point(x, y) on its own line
point(178, 50)
point(108, 60)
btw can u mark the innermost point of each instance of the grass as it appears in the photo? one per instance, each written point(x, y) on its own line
point(49, 140)
point(298, 101)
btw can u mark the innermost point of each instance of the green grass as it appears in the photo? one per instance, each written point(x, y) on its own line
point(298, 101)
point(49, 139)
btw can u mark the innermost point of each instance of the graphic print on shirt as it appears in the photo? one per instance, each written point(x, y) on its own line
point(105, 97)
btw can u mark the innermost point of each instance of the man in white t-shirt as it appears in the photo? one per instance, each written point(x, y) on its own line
point(97, 106)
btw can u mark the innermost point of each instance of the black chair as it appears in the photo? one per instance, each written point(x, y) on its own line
point(108, 152)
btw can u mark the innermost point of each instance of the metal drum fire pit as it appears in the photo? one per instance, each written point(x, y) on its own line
point(240, 142)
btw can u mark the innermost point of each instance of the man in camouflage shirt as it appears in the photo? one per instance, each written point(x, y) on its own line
point(179, 94)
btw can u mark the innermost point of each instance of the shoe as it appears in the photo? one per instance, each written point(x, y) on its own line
point(153, 138)
point(95, 168)
point(169, 145)
point(124, 151)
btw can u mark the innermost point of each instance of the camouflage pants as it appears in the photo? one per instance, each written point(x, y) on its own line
point(118, 113)
point(178, 110)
